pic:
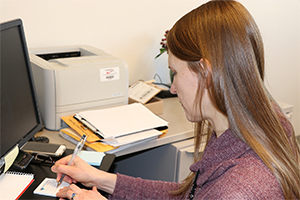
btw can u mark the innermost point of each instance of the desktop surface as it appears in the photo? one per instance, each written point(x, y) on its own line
point(179, 129)
point(42, 171)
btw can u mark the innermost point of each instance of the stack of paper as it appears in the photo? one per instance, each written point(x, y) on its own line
point(73, 136)
point(119, 126)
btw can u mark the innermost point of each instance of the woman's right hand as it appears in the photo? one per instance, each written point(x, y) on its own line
point(82, 172)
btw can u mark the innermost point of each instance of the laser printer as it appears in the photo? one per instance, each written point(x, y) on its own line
point(70, 79)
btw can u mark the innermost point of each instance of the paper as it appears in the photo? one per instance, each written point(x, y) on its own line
point(142, 92)
point(14, 184)
point(121, 148)
point(122, 120)
point(69, 135)
point(131, 138)
point(72, 136)
point(92, 157)
point(10, 157)
point(49, 187)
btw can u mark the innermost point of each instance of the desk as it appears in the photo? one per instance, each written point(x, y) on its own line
point(155, 159)
point(179, 129)
point(42, 171)
point(160, 159)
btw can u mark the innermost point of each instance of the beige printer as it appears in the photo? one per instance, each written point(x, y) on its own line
point(75, 78)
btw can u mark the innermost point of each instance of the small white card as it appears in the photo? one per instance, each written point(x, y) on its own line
point(49, 187)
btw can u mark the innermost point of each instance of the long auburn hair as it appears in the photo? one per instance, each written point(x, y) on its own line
point(224, 33)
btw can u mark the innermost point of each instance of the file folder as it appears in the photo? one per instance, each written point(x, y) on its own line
point(120, 126)
point(122, 120)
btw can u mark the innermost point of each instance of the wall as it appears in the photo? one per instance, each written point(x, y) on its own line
point(132, 30)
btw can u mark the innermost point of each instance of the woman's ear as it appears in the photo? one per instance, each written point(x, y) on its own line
point(206, 67)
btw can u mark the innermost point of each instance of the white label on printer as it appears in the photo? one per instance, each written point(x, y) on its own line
point(110, 74)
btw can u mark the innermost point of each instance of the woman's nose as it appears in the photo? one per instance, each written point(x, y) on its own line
point(173, 89)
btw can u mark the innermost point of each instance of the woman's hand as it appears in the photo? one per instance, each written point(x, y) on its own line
point(80, 171)
point(75, 193)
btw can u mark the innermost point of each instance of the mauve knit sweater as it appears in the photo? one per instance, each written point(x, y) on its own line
point(229, 169)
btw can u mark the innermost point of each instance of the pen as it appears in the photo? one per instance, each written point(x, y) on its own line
point(89, 126)
point(77, 149)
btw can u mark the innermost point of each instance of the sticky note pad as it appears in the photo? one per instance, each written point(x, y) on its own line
point(49, 187)
point(92, 157)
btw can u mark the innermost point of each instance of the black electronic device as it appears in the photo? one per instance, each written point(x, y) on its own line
point(20, 118)
point(22, 160)
point(49, 149)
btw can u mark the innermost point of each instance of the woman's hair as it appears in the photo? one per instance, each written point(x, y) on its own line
point(224, 34)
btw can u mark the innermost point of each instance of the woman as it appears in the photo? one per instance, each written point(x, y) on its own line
point(216, 55)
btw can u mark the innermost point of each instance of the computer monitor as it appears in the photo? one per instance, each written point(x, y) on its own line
point(20, 118)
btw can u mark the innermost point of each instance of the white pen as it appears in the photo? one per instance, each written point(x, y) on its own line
point(77, 149)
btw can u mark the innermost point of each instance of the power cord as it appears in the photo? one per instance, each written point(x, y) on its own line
point(42, 139)
point(160, 83)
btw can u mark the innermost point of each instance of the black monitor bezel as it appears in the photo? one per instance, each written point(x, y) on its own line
point(27, 136)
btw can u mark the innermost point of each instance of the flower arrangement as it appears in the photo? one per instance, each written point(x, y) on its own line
point(163, 44)
point(164, 49)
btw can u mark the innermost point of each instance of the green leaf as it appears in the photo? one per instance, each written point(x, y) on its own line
point(162, 50)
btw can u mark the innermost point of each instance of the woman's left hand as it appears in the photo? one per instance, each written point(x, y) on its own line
point(75, 193)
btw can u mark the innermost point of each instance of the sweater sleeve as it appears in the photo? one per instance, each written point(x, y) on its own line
point(136, 188)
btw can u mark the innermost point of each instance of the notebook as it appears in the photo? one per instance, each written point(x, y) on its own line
point(14, 184)
point(48, 187)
